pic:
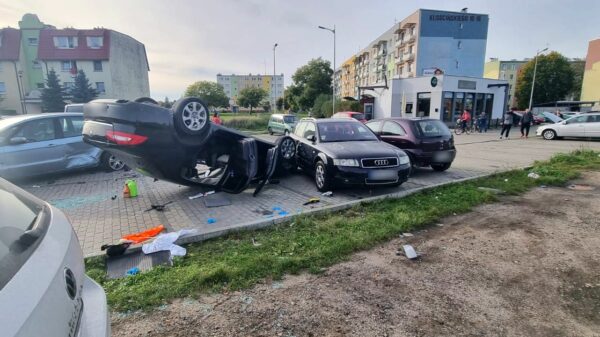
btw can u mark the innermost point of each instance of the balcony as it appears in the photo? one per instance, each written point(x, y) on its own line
point(411, 39)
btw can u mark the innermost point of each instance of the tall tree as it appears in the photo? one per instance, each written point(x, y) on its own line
point(82, 91)
point(578, 70)
point(53, 96)
point(166, 103)
point(310, 81)
point(211, 93)
point(553, 81)
point(251, 97)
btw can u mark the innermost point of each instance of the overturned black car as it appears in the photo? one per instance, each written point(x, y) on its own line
point(182, 146)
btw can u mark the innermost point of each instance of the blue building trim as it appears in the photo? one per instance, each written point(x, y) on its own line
point(451, 24)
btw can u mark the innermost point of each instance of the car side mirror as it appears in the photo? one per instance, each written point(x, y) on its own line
point(18, 140)
point(311, 138)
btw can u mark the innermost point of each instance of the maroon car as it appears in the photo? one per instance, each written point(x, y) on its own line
point(428, 142)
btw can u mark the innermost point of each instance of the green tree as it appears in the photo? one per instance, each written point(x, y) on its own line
point(578, 70)
point(266, 105)
point(327, 107)
point(278, 104)
point(166, 103)
point(211, 93)
point(82, 91)
point(251, 97)
point(317, 109)
point(553, 81)
point(53, 96)
point(310, 81)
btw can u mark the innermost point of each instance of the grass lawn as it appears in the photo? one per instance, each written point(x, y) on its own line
point(310, 243)
point(245, 122)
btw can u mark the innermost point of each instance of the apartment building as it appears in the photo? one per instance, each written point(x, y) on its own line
point(425, 42)
point(233, 84)
point(590, 89)
point(115, 64)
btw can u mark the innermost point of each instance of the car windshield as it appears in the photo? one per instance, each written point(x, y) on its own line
point(344, 132)
point(18, 216)
point(432, 128)
point(289, 119)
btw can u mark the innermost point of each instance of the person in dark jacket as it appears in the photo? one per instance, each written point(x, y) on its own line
point(507, 123)
point(526, 123)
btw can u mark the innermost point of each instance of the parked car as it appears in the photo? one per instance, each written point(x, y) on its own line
point(75, 107)
point(48, 143)
point(344, 151)
point(580, 126)
point(182, 146)
point(43, 287)
point(359, 116)
point(280, 123)
point(428, 142)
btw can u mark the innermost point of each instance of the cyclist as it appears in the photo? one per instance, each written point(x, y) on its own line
point(465, 118)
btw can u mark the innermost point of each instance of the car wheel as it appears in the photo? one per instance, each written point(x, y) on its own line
point(287, 148)
point(146, 100)
point(321, 178)
point(191, 116)
point(549, 134)
point(111, 163)
point(441, 167)
point(270, 131)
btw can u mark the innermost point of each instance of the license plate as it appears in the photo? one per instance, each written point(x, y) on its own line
point(383, 175)
point(442, 157)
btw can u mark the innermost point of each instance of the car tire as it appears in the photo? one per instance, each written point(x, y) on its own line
point(270, 131)
point(110, 163)
point(322, 180)
point(146, 100)
point(441, 167)
point(287, 148)
point(549, 134)
point(191, 116)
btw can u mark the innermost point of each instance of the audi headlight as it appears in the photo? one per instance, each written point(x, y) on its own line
point(403, 160)
point(346, 162)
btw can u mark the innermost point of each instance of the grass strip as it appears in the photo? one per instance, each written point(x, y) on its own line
point(310, 243)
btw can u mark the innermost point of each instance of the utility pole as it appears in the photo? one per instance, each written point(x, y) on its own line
point(333, 31)
point(534, 73)
point(274, 88)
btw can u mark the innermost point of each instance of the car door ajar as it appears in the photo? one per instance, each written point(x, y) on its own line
point(305, 147)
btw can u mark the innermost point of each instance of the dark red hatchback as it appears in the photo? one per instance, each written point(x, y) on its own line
point(428, 142)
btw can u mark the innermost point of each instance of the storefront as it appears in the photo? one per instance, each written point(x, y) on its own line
point(442, 97)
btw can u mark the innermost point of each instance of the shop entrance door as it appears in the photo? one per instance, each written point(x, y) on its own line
point(423, 104)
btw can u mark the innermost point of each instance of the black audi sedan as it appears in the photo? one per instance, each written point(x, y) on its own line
point(427, 141)
point(182, 146)
point(344, 151)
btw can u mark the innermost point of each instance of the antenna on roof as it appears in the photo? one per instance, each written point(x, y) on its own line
point(464, 10)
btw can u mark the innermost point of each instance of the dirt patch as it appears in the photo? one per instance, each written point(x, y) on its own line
point(525, 266)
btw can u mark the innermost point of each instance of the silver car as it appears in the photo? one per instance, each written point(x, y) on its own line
point(586, 125)
point(43, 287)
point(48, 143)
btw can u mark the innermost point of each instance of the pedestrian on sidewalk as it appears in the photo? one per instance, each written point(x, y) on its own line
point(482, 122)
point(526, 123)
point(216, 119)
point(507, 123)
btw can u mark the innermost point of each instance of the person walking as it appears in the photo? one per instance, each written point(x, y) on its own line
point(465, 118)
point(526, 123)
point(482, 122)
point(507, 123)
point(216, 119)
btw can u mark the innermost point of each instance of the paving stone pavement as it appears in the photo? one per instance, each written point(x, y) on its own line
point(87, 197)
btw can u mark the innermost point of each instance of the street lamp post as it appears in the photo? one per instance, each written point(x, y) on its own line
point(274, 89)
point(534, 72)
point(333, 31)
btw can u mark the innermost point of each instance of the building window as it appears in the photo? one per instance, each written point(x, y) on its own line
point(456, 64)
point(95, 42)
point(97, 65)
point(460, 43)
point(40, 85)
point(65, 42)
point(67, 65)
point(36, 65)
point(410, 67)
point(33, 41)
point(511, 76)
point(100, 87)
point(2, 88)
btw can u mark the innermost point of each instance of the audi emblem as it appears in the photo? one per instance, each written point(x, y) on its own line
point(381, 162)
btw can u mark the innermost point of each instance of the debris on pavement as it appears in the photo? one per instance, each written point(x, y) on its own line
point(201, 195)
point(407, 235)
point(145, 235)
point(158, 208)
point(313, 200)
point(327, 194)
point(130, 189)
point(533, 175)
point(410, 252)
point(491, 190)
point(113, 197)
point(116, 250)
point(117, 266)
point(211, 221)
point(580, 187)
point(166, 241)
point(256, 243)
point(133, 271)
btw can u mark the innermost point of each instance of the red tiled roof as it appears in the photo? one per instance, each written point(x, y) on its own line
point(47, 50)
point(11, 44)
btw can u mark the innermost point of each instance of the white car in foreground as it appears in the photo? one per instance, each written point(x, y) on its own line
point(585, 125)
point(43, 287)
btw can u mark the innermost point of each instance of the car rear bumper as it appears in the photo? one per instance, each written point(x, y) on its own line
point(424, 158)
point(364, 176)
point(95, 320)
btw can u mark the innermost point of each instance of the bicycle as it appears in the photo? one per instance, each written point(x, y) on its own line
point(458, 128)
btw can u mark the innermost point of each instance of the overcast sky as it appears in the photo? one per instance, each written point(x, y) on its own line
point(190, 40)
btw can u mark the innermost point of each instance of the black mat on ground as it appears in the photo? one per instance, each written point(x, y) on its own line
point(217, 200)
point(117, 267)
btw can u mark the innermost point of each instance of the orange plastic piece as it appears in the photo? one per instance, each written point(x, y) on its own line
point(145, 235)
